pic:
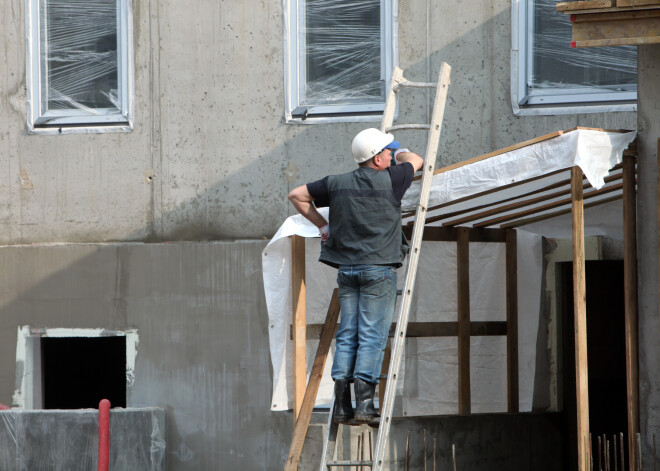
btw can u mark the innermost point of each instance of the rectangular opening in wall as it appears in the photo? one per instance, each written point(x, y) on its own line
point(77, 372)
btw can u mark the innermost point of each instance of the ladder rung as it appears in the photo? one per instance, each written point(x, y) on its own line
point(414, 85)
point(350, 463)
point(399, 127)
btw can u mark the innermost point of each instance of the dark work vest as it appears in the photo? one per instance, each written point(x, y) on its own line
point(365, 220)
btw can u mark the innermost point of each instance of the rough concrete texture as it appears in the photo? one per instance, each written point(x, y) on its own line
point(482, 442)
point(648, 70)
point(201, 321)
point(68, 439)
point(211, 156)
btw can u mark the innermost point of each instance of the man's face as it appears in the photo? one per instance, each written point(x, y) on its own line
point(384, 159)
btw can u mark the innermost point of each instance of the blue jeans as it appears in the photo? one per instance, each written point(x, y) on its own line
point(367, 295)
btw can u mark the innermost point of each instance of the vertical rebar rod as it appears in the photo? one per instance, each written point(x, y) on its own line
point(406, 463)
point(453, 455)
point(616, 465)
point(424, 449)
point(600, 461)
point(622, 449)
point(591, 453)
point(638, 439)
point(433, 453)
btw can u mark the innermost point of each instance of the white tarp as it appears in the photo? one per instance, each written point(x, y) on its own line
point(431, 371)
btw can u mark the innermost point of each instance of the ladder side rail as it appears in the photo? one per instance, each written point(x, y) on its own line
point(330, 442)
point(390, 102)
point(418, 230)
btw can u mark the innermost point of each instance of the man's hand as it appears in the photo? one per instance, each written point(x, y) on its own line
point(302, 201)
point(325, 233)
point(404, 155)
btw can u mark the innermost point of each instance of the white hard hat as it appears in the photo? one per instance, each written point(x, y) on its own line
point(370, 142)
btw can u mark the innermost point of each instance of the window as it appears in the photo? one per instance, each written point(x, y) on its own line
point(79, 65)
point(339, 58)
point(550, 77)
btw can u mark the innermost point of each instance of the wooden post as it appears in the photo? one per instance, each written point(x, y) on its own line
point(300, 428)
point(630, 294)
point(463, 269)
point(580, 314)
point(299, 323)
point(512, 320)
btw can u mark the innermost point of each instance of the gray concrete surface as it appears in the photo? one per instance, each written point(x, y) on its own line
point(67, 440)
point(647, 246)
point(211, 156)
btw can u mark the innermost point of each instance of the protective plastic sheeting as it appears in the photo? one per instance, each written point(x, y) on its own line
point(68, 439)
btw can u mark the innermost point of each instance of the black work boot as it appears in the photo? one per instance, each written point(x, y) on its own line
point(364, 400)
point(343, 408)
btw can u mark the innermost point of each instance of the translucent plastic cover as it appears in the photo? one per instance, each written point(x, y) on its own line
point(557, 65)
point(68, 439)
point(342, 52)
point(78, 40)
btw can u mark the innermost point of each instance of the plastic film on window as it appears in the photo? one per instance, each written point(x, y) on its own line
point(341, 56)
point(78, 56)
point(557, 65)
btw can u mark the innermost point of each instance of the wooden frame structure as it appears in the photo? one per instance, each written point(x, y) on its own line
point(613, 22)
point(474, 220)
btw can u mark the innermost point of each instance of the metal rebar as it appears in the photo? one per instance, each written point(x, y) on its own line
point(433, 453)
point(406, 463)
point(453, 455)
point(616, 465)
point(424, 449)
point(638, 438)
point(622, 454)
point(600, 461)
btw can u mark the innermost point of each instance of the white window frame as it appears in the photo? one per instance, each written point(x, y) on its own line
point(552, 102)
point(294, 69)
point(28, 359)
point(44, 121)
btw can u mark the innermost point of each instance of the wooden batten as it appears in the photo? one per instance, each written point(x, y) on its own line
point(512, 320)
point(463, 273)
point(298, 300)
point(580, 314)
point(630, 301)
point(302, 424)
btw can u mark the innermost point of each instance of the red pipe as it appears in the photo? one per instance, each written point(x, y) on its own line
point(104, 435)
point(4, 407)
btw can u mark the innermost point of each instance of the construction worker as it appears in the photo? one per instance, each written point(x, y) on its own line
point(364, 241)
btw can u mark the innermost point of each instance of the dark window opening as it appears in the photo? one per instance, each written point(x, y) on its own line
point(77, 372)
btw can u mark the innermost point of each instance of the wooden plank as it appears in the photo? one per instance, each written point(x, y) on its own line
point(580, 313)
point(543, 217)
point(512, 320)
point(463, 273)
point(584, 5)
point(431, 329)
point(298, 300)
point(546, 207)
point(519, 204)
point(612, 29)
point(450, 234)
point(632, 3)
point(302, 424)
point(630, 299)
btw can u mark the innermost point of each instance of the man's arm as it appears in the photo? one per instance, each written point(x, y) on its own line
point(415, 160)
point(302, 201)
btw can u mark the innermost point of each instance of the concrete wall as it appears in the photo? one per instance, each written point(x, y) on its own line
point(201, 322)
point(647, 245)
point(68, 440)
point(211, 156)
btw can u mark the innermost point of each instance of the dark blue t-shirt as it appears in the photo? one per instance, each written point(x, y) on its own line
point(401, 175)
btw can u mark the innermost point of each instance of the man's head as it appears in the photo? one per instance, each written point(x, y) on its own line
point(375, 146)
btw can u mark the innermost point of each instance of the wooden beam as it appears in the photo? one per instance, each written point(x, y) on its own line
point(630, 300)
point(632, 3)
point(430, 329)
point(298, 300)
point(620, 28)
point(543, 217)
point(580, 313)
point(512, 320)
point(450, 234)
point(302, 424)
point(584, 5)
point(463, 273)
point(548, 206)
